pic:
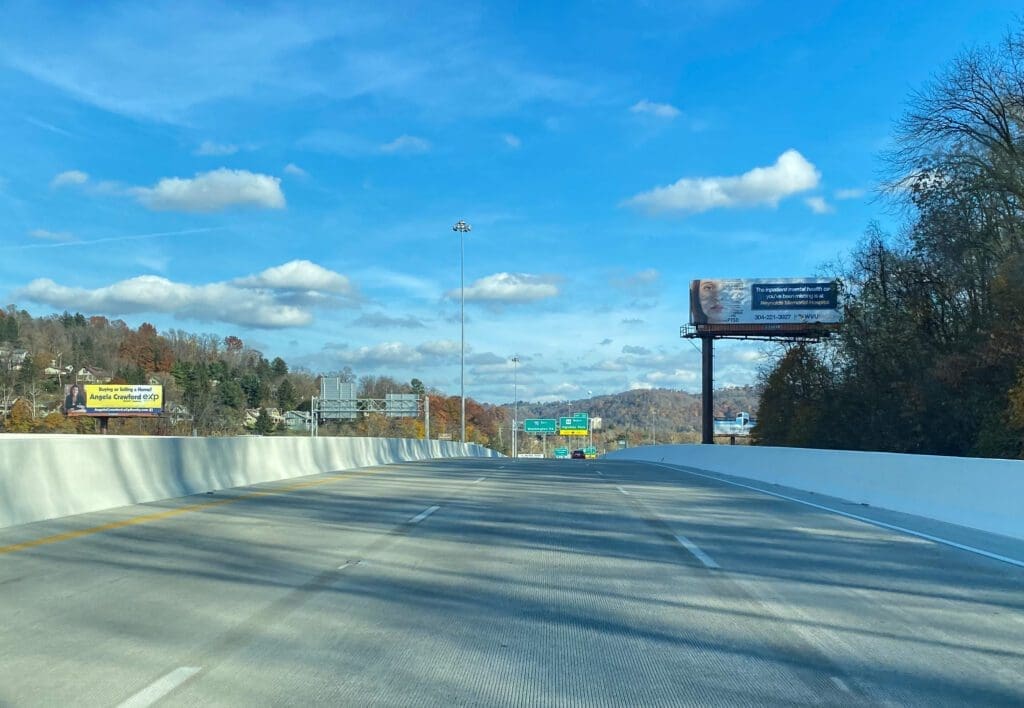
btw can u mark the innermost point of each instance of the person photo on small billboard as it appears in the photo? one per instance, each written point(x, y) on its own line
point(715, 301)
point(74, 399)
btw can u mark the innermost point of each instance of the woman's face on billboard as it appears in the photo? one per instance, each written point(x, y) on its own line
point(710, 300)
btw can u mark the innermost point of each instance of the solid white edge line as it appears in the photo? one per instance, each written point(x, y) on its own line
point(423, 514)
point(873, 522)
point(161, 687)
point(700, 555)
point(622, 490)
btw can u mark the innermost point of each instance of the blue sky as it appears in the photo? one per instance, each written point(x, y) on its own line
point(291, 177)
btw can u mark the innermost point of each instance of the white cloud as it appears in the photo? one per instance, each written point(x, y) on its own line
point(69, 177)
point(607, 365)
point(186, 56)
point(678, 377)
point(411, 284)
point(509, 288)
point(299, 275)
point(210, 148)
point(387, 353)
point(849, 193)
point(818, 205)
point(380, 319)
point(212, 191)
point(392, 354)
point(294, 170)
point(489, 361)
point(658, 110)
point(220, 302)
point(267, 300)
point(440, 349)
point(406, 144)
point(55, 236)
point(643, 282)
point(761, 186)
point(512, 141)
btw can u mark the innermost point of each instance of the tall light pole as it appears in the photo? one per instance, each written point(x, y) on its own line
point(590, 418)
point(515, 407)
point(462, 228)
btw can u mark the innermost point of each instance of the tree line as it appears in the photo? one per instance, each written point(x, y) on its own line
point(930, 357)
point(209, 382)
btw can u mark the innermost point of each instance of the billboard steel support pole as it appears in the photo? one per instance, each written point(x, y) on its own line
point(707, 422)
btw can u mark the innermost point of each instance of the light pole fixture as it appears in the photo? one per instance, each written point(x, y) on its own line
point(462, 228)
point(515, 407)
point(590, 418)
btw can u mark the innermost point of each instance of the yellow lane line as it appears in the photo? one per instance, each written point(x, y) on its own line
point(160, 515)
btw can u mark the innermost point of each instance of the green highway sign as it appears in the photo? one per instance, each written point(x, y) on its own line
point(561, 452)
point(590, 450)
point(576, 424)
point(539, 426)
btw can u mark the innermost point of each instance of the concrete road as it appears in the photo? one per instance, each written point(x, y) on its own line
point(492, 582)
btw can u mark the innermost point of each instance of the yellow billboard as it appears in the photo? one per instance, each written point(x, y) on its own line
point(114, 400)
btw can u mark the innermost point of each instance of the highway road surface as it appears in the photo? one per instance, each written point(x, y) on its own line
point(498, 583)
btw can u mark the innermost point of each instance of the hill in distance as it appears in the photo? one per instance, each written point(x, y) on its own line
point(661, 414)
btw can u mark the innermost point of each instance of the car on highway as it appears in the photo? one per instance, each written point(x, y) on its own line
point(578, 455)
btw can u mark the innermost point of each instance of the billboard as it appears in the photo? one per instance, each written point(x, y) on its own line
point(770, 306)
point(113, 400)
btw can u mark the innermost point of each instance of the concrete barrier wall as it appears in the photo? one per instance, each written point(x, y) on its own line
point(48, 476)
point(980, 494)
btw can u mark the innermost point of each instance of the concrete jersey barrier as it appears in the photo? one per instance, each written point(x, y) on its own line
point(978, 493)
point(49, 476)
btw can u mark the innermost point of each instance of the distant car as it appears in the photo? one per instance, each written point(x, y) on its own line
point(579, 455)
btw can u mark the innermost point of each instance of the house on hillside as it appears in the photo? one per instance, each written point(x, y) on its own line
point(252, 414)
point(14, 358)
point(54, 370)
point(89, 374)
point(297, 420)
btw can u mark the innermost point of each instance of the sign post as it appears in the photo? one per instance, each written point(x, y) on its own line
point(786, 309)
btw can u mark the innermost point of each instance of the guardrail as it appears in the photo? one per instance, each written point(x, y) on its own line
point(49, 476)
point(977, 493)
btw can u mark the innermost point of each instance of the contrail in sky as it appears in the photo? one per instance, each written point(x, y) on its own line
point(135, 237)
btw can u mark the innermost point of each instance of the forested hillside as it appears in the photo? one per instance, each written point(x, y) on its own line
point(212, 384)
point(931, 356)
point(215, 385)
point(646, 415)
